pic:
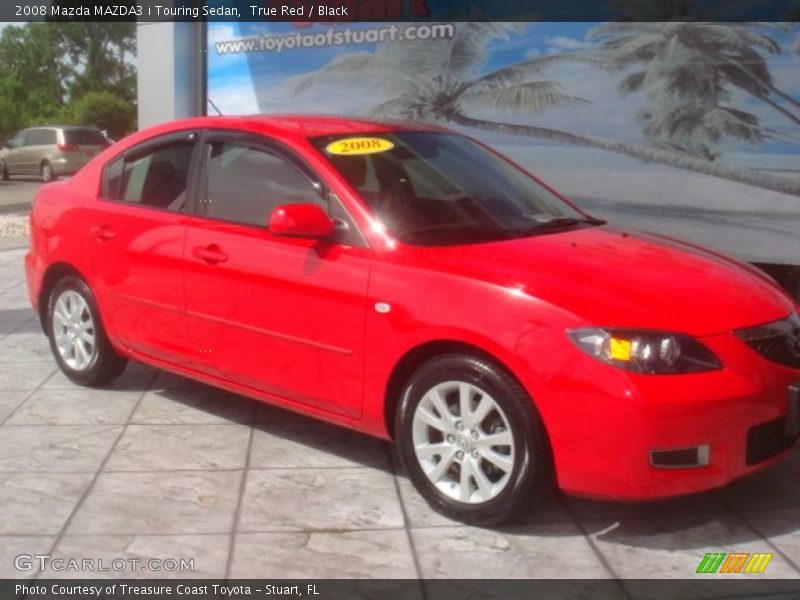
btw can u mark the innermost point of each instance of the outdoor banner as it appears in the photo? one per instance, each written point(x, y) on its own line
point(689, 129)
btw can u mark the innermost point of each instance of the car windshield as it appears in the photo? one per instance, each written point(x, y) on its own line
point(437, 188)
point(84, 137)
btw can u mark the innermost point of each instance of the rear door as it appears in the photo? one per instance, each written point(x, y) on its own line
point(138, 227)
point(282, 315)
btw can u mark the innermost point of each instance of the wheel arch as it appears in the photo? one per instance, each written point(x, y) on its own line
point(54, 273)
point(415, 357)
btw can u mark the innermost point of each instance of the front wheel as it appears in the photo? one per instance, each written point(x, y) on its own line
point(471, 440)
point(4, 174)
point(77, 338)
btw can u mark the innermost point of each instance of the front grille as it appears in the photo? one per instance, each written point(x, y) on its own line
point(767, 440)
point(778, 341)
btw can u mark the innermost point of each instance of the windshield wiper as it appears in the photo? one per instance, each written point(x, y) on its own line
point(555, 223)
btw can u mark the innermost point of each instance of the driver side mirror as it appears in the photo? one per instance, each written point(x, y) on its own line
point(8, 145)
point(300, 220)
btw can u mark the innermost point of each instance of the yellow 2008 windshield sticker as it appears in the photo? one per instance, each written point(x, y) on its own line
point(358, 145)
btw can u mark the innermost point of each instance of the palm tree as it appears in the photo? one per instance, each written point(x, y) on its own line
point(440, 80)
point(689, 71)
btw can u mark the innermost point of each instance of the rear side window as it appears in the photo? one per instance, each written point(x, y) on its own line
point(246, 183)
point(84, 137)
point(41, 137)
point(155, 177)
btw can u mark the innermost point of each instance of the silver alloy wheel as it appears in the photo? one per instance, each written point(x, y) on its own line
point(463, 442)
point(47, 173)
point(73, 330)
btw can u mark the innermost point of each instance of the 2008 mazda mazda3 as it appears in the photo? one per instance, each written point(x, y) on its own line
point(409, 282)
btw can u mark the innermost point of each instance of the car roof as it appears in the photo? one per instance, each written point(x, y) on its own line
point(312, 125)
point(70, 127)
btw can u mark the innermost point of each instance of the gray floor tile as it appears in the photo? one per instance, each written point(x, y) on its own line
point(169, 380)
point(30, 327)
point(135, 377)
point(13, 546)
point(781, 527)
point(25, 347)
point(549, 507)
point(351, 554)
point(159, 503)
point(10, 401)
point(672, 548)
point(14, 257)
point(551, 550)
point(39, 503)
point(193, 406)
point(190, 447)
point(315, 445)
point(62, 448)
point(13, 293)
point(133, 555)
point(585, 509)
point(25, 376)
point(314, 499)
point(268, 415)
point(777, 487)
point(78, 406)
point(13, 319)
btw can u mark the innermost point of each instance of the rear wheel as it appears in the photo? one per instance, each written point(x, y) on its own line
point(47, 172)
point(77, 338)
point(471, 440)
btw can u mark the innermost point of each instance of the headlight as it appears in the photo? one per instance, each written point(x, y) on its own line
point(651, 352)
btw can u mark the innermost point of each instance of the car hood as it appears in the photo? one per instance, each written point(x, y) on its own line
point(616, 278)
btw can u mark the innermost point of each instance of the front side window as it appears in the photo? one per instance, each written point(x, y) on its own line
point(245, 183)
point(19, 139)
point(156, 177)
point(431, 188)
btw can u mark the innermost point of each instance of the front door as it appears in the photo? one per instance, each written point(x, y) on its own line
point(284, 316)
point(15, 157)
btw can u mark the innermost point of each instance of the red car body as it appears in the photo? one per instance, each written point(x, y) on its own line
point(294, 323)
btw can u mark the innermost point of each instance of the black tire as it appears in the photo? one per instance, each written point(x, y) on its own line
point(530, 473)
point(104, 363)
point(4, 174)
point(47, 173)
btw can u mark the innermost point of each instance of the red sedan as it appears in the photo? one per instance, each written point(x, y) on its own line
point(410, 283)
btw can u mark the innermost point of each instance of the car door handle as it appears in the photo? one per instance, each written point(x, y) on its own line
point(210, 254)
point(103, 233)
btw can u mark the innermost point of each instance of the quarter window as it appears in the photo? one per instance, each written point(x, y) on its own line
point(246, 183)
point(155, 177)
point(85, 137)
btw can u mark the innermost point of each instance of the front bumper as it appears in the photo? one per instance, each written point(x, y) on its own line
point(604, 423)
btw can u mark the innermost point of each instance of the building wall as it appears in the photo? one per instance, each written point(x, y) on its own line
point(170, 69)
point(556, 113)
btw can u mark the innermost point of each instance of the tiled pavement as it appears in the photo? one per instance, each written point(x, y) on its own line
point(157, 466)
